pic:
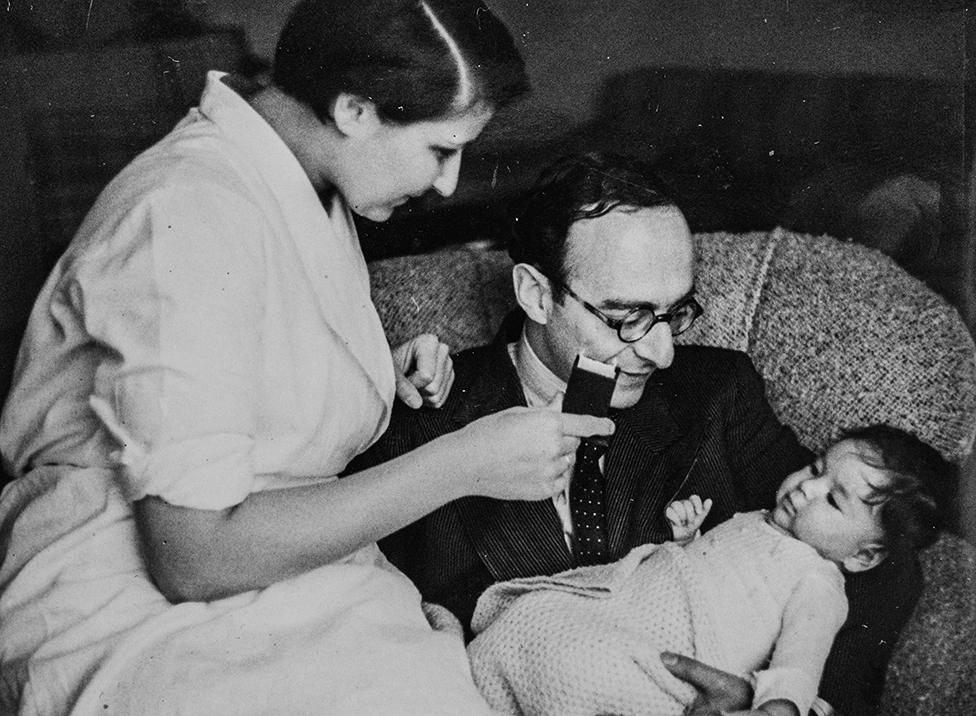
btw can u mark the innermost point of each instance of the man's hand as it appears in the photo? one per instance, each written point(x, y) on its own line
point(424, 371)
point(719, 693)
point(686, 517)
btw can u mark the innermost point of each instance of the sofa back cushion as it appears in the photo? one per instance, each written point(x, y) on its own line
point(841, 334)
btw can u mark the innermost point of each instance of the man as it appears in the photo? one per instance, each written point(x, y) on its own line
point(604, 266)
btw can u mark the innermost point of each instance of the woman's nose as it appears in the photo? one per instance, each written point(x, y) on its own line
point(657, 346)
point(447, 178)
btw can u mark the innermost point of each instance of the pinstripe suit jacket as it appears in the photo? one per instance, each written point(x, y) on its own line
point(702, 426)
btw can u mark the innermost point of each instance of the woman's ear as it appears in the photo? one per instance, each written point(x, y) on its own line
point(865, 558)
point(533, 292)
point(355, 116)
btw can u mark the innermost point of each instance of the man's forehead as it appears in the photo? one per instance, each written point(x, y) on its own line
point(626, 241)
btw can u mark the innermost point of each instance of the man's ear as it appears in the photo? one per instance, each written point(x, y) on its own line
point(355, 116)
point(865, 558)
point(533, 292)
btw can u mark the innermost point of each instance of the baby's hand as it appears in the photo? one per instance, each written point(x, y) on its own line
point(686, 516)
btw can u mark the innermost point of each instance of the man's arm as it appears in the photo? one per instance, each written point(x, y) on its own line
point(763, 449)
point(881, 601)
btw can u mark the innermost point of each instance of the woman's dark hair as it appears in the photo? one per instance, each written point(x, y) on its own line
point(407, 56)
point(914, 499)
point(575, 187)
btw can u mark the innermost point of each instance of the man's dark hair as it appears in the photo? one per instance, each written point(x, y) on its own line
point(389, 51)
point(575, 187)
point(913, 500)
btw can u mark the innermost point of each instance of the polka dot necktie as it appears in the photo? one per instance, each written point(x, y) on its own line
point(586, 495)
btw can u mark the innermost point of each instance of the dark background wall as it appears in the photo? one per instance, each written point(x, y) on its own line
point(572, 45)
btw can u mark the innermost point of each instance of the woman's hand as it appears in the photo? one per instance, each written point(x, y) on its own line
point(719, 693)
point(522, 453)
point(424, 371)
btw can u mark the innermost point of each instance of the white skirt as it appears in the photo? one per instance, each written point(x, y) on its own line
point(84, 631)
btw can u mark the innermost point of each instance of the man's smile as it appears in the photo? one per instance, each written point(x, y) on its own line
point(637, 374)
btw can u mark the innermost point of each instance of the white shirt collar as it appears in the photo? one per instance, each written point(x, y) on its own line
point(539, 384)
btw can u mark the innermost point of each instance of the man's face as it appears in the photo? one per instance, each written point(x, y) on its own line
point(622, 260)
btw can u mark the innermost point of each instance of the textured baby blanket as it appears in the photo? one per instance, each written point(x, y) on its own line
point(588, 641)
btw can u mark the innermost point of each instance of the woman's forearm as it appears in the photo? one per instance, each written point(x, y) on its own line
point(275, 534)
point(517, 454)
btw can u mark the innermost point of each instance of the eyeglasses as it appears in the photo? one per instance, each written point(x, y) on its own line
point(639, 321)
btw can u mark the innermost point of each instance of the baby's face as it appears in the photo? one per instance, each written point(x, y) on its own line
point(826, 505)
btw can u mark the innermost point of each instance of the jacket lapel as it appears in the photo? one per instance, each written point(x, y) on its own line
point(512, 538)
point(520, 539)
point(639, 467)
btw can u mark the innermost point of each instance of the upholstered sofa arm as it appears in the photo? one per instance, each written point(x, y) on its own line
point(932, 671)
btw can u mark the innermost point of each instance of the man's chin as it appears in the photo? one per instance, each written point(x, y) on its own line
point(378, 214)
point(626, 396)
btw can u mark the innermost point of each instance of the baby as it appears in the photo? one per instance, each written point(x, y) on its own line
point(761, 595)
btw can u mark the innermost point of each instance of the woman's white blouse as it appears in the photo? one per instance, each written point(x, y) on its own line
point(215, 316)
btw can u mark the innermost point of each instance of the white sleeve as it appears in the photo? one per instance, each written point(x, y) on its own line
point(176, 298)
point(814, 613)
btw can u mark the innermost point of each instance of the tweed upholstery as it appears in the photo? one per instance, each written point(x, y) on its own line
point(461, 295)
point(731, 272)
point(841, 335)
point(933, 669)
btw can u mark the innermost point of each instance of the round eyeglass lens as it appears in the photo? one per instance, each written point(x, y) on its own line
point(639, 322)
point(683, 316)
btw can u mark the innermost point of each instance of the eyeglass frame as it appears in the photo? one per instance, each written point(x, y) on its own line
point(617, 324)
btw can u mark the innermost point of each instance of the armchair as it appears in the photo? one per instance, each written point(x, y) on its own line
point(841, 335)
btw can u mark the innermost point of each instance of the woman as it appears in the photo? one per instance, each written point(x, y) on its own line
point(205, 358)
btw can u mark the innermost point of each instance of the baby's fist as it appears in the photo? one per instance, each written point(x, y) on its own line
point(686, 517)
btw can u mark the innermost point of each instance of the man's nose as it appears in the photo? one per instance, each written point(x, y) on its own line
point(447, 178)
point(657, 346)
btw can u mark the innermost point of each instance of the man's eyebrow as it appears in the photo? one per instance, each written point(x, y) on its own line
point(619, 304)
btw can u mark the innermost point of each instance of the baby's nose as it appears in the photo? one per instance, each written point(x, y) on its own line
point(811, 487)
